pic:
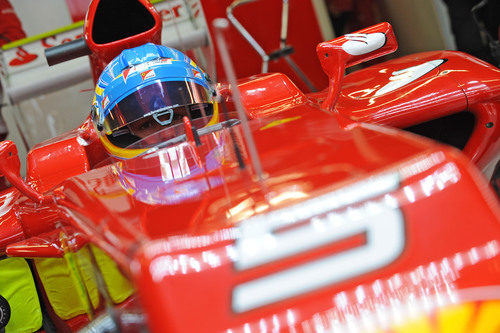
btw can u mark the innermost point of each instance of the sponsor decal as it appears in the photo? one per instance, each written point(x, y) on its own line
point(22, 57)
point(197, 74)
point(402, 77)
point(127, 72)
point(148, 74)
point(105, 102)
point(173, 13)
point(141, 67)
point(98, 90)
point(358, 44)
point(161, 61)
point(33, 53)
point(195, 8)
point(376, 227)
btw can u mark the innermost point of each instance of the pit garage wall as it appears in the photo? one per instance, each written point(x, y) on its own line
point(419, 25)
point(262, 19)
point(41, 16)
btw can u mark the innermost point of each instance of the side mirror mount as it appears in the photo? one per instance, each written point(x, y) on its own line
point(352, 49)
point(10, 168)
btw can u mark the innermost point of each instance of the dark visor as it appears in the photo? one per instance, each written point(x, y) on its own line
point(156, 98)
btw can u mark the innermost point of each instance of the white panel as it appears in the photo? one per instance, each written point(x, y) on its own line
point(39, 16)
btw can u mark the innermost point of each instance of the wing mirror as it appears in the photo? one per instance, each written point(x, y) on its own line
point(10, 168)
point(352, 49)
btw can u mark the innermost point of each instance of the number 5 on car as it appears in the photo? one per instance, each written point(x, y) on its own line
point(361, 209)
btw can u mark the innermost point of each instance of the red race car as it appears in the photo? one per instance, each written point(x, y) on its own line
point(307, 216)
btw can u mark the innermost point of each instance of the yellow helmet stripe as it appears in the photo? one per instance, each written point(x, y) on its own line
point(120, 152)
point(130, 153)
point(98, 90)
point(215, 115)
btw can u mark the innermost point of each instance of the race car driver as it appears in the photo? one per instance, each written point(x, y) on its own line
point(146, 90)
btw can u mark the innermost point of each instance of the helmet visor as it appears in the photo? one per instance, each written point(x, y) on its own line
point(159, 99)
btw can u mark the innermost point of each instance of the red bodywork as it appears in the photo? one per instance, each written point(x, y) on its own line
point(303, 32)
point(461, 83)
point(182, 241)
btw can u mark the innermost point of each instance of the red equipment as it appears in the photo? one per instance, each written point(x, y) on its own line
point(10, 26)
point(339, 225)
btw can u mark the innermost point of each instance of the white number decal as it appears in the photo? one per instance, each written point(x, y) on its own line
point(402, 77)
point(261, 242)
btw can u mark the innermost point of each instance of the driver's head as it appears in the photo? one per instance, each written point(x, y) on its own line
point(146, 90)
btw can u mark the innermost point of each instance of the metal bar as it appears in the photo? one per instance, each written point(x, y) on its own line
point(220, 25)
point(245, 33)
point(300, 73)
point(284, 23)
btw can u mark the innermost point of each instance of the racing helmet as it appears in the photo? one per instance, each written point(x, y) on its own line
point(145, 90)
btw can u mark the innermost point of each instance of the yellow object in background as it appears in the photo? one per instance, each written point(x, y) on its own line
point(468, 317)
point(69, 290)
point(18, 288)
point(70, 282)
point(118, 286)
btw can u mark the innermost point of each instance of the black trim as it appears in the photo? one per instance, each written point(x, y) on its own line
point(454, 130)
point(4, 312)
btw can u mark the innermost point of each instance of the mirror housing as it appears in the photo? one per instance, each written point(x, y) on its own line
point(352, 49)
point(10, 167)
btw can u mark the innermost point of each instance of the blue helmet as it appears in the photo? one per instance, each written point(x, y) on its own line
point(145, 90)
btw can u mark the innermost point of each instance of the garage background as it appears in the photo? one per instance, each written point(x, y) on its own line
point(420, 25)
